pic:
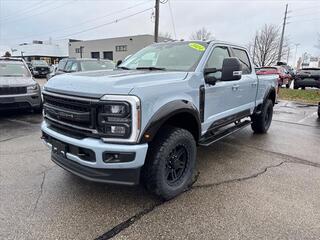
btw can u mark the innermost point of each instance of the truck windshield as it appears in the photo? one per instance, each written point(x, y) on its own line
point(13, 69)
point(173, 56)
point(41, 63)
point(96, 65)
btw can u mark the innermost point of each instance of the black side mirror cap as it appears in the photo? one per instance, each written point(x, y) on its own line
point(118, 63)
point(231, 69)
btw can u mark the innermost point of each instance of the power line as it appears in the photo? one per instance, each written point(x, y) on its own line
point(83, 22)
point(23, 14)
point(26, 10)
point(45, 11)
point(105, 24)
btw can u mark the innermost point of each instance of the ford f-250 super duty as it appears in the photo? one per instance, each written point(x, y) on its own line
point(143, 121)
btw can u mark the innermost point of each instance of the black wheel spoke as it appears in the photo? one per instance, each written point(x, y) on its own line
point(176, 164)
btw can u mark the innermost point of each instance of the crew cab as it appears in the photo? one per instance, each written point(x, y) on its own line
point(142, 122)
point(18, 90)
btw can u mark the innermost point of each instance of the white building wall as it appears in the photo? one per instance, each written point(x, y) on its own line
point(133, 43)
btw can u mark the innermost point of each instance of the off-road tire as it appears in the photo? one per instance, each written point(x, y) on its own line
point(261, 122)
point(160, 154)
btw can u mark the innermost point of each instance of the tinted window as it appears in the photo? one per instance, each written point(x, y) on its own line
point(68, 66)
point(216, 60)
point(244, 59)
point(13, 69)
point(62, 65)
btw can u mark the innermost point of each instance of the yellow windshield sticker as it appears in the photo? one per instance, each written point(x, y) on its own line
point(197, 46)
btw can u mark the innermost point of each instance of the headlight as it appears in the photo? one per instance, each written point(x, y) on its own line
point(32, 88)
point(119, 118)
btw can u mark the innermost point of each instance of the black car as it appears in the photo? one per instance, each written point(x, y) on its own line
point(69, 65)
point(39, 68)
point(307, 77)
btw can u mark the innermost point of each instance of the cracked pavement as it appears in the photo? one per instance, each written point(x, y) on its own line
point(248, 187)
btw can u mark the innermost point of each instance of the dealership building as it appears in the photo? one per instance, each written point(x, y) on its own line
point(51, 51)
point(110, 48)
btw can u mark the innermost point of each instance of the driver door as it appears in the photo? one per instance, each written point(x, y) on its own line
point(221, 99)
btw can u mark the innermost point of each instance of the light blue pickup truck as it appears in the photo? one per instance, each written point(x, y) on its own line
point(142, 122)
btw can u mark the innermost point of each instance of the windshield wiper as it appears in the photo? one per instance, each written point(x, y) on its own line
point(150, 68)
point(124, 68)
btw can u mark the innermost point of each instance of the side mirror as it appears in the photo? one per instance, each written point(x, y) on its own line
point(210, 79)
point(118, 63)
point(231, 69)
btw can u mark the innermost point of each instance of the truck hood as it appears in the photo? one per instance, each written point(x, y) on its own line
point(16, 81)
point(98, 83)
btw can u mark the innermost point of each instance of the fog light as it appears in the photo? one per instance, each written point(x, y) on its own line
point(117, 157)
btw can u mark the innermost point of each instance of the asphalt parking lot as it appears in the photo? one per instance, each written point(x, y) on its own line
point(248, 187)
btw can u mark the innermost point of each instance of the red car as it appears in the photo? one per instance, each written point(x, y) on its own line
point(284, 77)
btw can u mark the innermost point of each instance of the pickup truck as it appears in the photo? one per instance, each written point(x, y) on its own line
point(142, 122)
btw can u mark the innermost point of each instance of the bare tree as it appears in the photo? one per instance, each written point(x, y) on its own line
point(202, 34)
point(265, 46)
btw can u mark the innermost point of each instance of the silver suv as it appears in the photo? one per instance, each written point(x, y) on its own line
point(17, 87)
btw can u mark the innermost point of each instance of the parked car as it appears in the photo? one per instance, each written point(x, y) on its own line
point(69, 65)
point(39, 68)
point(307, 77)
point(145, 120)
point(284, 77)
point(17, 87)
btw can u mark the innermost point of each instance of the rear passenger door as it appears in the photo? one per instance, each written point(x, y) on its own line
point(248, 83)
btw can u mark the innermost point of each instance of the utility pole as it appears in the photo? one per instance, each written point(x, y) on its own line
point(81, 49)
point(282, 33)
point(156, 23)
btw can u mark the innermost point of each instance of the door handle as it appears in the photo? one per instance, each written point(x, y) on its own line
point(254, 84)
point(235, 87)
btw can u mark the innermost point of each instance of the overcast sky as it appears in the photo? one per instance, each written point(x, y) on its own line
point(235, 21)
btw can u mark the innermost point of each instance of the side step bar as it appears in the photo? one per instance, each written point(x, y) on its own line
point(224, 133)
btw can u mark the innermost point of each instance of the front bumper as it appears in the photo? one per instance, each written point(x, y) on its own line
point(18, 101)
point(127, 173)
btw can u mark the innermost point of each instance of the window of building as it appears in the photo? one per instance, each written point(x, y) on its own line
point(244, 59)
point(108, 55)
point(95, 55)
point(121, 48)
point(78, 50)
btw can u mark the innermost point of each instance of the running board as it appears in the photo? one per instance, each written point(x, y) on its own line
point(224, 133)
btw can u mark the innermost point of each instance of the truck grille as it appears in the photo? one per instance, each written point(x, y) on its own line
point(71, 113)
point(12, 90)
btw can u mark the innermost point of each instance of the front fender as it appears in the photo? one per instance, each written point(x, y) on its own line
point(167, 112)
